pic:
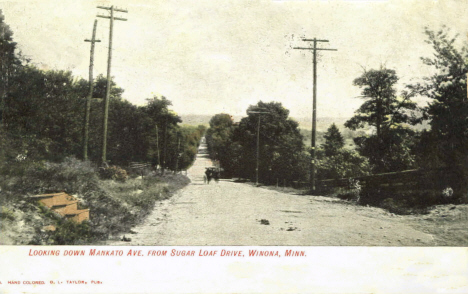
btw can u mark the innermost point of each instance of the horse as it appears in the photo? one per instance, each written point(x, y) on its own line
point(208, 176)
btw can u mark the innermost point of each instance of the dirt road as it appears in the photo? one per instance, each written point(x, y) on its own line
point(228, 213)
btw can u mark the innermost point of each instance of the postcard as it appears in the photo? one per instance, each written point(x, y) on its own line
point(251, 146)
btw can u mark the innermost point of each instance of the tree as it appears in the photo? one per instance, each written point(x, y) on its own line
point(219, 140)
point(281, 144)
point(163, 121)
point(446, 143)
point(334, 141)
point(383, 110)
point(9, 63)
point(44, 109)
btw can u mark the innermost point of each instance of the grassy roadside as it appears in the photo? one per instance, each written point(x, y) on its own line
point(115, 207)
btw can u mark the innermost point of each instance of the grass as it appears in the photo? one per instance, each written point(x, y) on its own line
point(115, 206)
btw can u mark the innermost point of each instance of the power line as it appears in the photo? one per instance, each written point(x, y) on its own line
point(314, 102)
point(109, 61)
point(90, 95)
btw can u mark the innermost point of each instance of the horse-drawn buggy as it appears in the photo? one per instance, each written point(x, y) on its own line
point(212, 173)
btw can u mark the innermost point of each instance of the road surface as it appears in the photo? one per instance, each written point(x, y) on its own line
point(229, 213)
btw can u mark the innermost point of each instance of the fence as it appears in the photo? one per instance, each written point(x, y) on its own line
point(394, 184)
point(139, 167)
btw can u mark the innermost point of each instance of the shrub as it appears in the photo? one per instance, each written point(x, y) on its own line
point(7, 214)
point(343, 164)
point(30, 177)
point(353, 191)
point(67, 232)
point(113, 173)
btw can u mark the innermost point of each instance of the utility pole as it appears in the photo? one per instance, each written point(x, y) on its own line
point(109, 61)
point(90, 95)
point(157, 145)
point(258, 142)
point(314, 104)
point(177, 154)
point(165, 146)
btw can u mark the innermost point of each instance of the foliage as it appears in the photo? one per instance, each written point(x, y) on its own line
point(113, 173)
point(396, 153)
point(71, 233)
point(7, 214)
point(353, 191)
point(42, 117)
point(334, 141)
point(10, 63)
point(29, 177)
point(385, 111)
point(280, 148)
point(219, 138)
point(187, 147)
point(446, 143)
point(343, 164)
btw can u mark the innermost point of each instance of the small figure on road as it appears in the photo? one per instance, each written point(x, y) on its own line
point(208, 175)
point(216, 174)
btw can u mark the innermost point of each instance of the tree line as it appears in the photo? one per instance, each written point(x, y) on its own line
point(42, 118)
point(394, 143)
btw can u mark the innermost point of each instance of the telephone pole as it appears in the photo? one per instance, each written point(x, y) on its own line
point(109, 61)
point(177, 154)
point(314, 103)
point(90, 95)
point(258, 140)
point(157, 145)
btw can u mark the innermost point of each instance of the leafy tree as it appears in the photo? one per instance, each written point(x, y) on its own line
point(334, 141)
point(42, 115)
point(399, 152)
point(45, 107)
point(446, 143)
point(385, 111)
point(334, 162)
point(219, 139)
point(281, 144)
point(190, 137)
point(10, 63)
point(163, 121)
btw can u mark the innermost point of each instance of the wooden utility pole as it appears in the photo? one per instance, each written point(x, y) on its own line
point(157, 145)
point(177, 159)
point(258, 142)
point(314, 104)
point(165, 147)
point(90, 95)
point(109, 61)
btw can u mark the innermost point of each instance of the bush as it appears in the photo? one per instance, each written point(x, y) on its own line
point(113, 173)
point(343, 164)
point(7, 214)
point(115, 206)
point(30, 177)
point(67, 232)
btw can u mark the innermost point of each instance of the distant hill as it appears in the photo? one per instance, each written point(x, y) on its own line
point(323, 123)
point(199, 119)
point(304, 123)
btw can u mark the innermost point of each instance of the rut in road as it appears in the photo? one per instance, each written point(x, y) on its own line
point(228, 213)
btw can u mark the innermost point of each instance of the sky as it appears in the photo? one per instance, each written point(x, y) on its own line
point(211, 57)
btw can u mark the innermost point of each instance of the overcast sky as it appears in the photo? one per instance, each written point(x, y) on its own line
point(213, 56)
